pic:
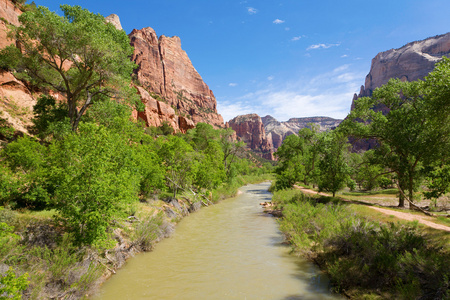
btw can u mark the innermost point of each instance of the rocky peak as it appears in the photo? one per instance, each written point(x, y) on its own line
point(410, 62)
point(114, 19)
point(277, 131)
point(165, 70)
point(268, 120)
point(250, 129)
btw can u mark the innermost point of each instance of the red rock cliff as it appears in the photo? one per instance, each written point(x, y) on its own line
point(166, 70)
point(250, 129)
point(410, 62)
point(277, 131)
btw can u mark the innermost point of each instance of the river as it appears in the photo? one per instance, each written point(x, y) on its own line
point(231, 250)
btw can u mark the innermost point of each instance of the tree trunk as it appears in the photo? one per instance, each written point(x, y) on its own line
point(411, 191)
point(401, 200)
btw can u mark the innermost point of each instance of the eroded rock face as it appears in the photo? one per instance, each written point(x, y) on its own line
point(250, 129)
point(17, 101)
point(277, 131)
point(166, 70)
point(9, 13)
point(114, 19)
point(410, 62)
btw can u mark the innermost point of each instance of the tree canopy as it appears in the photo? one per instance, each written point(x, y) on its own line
point(414, 135)
point(79, 55)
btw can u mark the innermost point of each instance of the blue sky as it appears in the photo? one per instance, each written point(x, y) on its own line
point(285, 58)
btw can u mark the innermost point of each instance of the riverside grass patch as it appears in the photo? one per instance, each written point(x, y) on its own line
point(364, 258)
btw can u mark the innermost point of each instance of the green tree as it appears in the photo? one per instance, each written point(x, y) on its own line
point(297, 158)
point(96, 178)
point(180, 161)
point(232, 149)
point(210, 171)
point(50, 117)
point(79, 55)
point(414, 133)
point(26, 158)
point(290, 167)
point(334, 170)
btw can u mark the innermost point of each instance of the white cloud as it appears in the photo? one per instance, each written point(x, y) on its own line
point(278, 21)
point(296, 38)
point(287, 28)
point(323, 46)
point(230, 110)
point(232, 84)
point(328, 94)
point(344, 56)
point(252, 10)
point(271, 78)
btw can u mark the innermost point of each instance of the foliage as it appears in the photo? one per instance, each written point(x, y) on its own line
point(11, 286)
point(334, 171)
point(181, 169)
point(390, 260)
point(78, 54)
point(298, 157)
point(49, 117)
point(414, 131)
point(6, 130)
point(164, 129)
point(96, 177)
point(25, 172)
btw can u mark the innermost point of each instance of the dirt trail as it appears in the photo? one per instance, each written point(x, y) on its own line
point(401, 215)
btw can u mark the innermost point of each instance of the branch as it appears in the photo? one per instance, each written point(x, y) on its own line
point(412, 204)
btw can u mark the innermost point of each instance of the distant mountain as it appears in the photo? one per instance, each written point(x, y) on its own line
point(264, 135)
point(250, 129)
point(277, 131)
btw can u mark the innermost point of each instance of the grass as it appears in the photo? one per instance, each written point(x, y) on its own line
point(367, 254)
point(366, 193)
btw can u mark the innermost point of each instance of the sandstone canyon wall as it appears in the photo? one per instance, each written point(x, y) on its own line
point(16, 100)
point(250, 129)
point(410, 62)
point(166, 72)
point(170, 88)
point(277, 131)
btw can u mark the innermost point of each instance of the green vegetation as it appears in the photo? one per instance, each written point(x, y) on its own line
point(90, 179)
point(409, 125)
point(79, 55)
point(414, 135)
point(365, 258)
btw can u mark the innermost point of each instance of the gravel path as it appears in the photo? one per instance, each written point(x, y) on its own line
point(401, 215)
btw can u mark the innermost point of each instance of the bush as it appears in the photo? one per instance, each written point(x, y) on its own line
point(364, 255)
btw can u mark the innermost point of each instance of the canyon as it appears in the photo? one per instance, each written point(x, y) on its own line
point(169, 86)
point(173, 92)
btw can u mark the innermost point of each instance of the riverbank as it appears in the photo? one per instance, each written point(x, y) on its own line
point(363, 257)
point(34, 244)
point(227, 251)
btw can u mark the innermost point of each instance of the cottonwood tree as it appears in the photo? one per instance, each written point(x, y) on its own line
point(298, 157)
point(180, 161)
point(414, 133)
point(79, 55)
point(334, 171)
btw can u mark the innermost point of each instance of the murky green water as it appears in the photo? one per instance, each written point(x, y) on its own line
point(227, 251)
